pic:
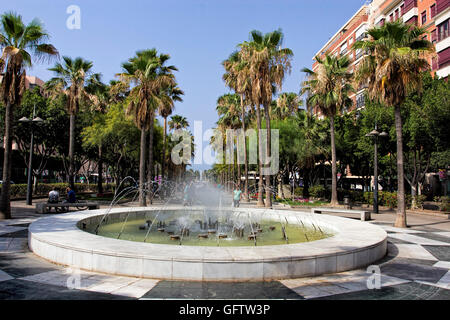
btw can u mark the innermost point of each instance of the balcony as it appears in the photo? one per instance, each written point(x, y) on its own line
point(411, 4)
point(361, 37)
point(441, 5)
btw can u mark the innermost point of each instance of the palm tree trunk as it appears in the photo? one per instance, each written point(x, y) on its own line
point(72, 151)
point(5, 198)
point(150, 162)
point(247, 198)
point(400, 221)
point(260, 157)
point(100, 170)
point(163, 162)
point(334, 197)
point(269, 153)
point(142, 199)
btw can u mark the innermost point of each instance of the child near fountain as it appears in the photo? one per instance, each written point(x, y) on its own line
point(237, 197)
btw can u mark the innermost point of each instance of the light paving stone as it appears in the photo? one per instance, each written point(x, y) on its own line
point(442, 264)
point(445, 281)
point(4, 276)
point(400, 230)
point(418, 240)
point(111, 284)
point(445, 234)
point(136, 289)
point(410, 251)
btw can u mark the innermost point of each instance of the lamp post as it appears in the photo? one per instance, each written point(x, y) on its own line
point(36, 120)
point(375, 134)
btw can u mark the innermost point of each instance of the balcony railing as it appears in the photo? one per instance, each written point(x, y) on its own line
point(361, 37)
point(441, 5)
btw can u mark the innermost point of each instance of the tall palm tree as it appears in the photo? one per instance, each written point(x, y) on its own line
point(268, 65)
point(328, 88)
point(147, 72)
point(228, 109)
point(397, 53)
point(19, 43)
point(236, 77)
point(71, 79)
point(165, 110)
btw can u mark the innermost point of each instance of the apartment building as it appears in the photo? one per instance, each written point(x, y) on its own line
point(433, 15)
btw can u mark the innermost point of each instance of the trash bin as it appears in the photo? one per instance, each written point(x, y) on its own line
point(347, 202)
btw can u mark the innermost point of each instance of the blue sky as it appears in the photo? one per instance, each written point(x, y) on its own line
point(198, 34)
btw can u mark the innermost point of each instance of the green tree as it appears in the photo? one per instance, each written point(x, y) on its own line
point(328, 88)
point(396, 55)
point(70, 80)
point(19, 43)
point(268, 64)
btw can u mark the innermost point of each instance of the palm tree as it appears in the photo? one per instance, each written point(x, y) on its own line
point(165, 110)
point(329, 89)
point(228, 109)
point(268, 64)
point(146, 71)
point(286, 105)
point(19, 43)
point(71, 80)
point(397, 53)
point(178, 122)
point(236, 77)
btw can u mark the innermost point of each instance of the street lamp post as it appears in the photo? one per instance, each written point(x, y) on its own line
point(375, 134)
point(36, 120)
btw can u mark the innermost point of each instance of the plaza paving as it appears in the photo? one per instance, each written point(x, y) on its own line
point(417, 266)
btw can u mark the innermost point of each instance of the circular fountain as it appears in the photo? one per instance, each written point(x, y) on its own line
point(207, 244)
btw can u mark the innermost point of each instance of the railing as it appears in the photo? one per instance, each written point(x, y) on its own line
point(441, 5)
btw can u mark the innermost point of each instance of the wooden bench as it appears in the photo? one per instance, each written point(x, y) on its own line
point(365, 215)
point(45, 207)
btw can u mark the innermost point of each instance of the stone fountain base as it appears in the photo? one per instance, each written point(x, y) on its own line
point(355, 244)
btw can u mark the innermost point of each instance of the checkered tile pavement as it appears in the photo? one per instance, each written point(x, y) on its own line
point(417, 266)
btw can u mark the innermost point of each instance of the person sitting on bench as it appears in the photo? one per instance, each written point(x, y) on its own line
point(53, 196)
point(71, 198)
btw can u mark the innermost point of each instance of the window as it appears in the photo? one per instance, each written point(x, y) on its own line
point(396, 14)
point(391, 17)
point(424, 17)
point(360, 100)
point(344, 48)
point(433, 10)
point(402, 10)
point(443, 31)
point(434, 36)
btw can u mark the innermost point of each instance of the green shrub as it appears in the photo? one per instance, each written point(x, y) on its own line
point(317, 191)
point(42, 189)
point(298, 191)
point(443, 202)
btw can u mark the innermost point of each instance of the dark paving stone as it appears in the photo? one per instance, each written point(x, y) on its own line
point(406, 291)
point(25, 264)
point(214, 290)
point(408, 271)
point(26, 290)
point(17, 234)
point(429, 263)
point(440, 252)
point(24, 225)
point(398, 241)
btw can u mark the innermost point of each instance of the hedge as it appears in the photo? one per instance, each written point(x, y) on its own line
point(42, 189)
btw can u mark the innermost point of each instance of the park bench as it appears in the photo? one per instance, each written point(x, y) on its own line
point(365, 215)
point(45, 207)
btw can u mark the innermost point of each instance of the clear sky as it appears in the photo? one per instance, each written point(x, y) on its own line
point(198, 34)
